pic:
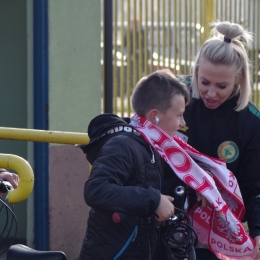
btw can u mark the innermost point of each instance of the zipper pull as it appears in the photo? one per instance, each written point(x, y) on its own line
point(153, 160)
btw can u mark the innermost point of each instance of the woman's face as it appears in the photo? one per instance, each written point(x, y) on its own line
point(215, 83)
point(173, 120)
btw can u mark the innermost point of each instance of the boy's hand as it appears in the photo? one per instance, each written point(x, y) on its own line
point(165, 209)
point(201, 200)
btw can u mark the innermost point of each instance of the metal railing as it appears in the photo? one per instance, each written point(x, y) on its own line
point(21, 166)
point(48, 136)
point(155, 34)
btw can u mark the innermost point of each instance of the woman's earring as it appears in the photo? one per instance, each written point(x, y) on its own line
point(156, 118)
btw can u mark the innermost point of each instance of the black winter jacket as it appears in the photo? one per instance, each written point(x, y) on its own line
point(235, 137)
point(123, 191)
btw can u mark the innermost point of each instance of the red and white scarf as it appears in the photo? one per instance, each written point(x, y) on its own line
point(218, 225)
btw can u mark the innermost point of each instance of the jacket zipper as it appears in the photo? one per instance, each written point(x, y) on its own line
point(153, 160)
point(131, 238)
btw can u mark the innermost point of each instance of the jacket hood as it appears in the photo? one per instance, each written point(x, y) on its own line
point(100, 129)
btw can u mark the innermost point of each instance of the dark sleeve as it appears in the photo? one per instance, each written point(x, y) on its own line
point(253, 215)
point(248, 176)
point(107, 188)
point(250, 189)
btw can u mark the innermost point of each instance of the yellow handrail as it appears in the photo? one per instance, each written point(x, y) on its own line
point(25, 172)
point(21, 166)
point(43, 136)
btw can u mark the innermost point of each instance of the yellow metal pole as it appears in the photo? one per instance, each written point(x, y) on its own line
point(25, 172)
point(43, 136)
point(208, 13)
point(115, 72)
point(21, 166)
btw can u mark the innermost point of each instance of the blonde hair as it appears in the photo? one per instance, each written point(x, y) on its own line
point(228, 50)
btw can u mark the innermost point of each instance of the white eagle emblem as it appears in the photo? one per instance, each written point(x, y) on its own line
point(229, 225)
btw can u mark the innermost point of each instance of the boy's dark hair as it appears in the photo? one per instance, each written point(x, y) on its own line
point(156, 91)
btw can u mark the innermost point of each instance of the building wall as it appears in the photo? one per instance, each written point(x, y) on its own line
point(13, 82)
point(74, 98)
point(74, 63)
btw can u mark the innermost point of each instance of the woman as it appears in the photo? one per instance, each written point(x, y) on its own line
point(221, 121)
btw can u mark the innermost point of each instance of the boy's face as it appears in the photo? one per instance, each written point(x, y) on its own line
point(173, 120)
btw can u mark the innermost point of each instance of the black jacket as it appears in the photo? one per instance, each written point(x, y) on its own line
point(235, 137)
point(123, 191)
